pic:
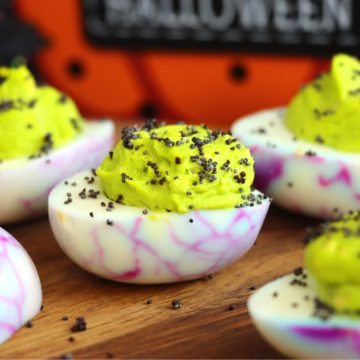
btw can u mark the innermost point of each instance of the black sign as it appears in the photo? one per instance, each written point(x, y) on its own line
point(297, 26)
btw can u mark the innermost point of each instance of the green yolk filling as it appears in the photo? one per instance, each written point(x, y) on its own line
point(327, 110)
point(178, 168)
point(33, 120)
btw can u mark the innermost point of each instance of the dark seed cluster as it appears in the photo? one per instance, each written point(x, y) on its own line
point(79, 325)
point(206, 168)
point(344, 225)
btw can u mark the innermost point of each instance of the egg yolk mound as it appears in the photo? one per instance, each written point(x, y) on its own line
point(333, 260)
point(33, 119)
point(327, 110)
point(178, 168)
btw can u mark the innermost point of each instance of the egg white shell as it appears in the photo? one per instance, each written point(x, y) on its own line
point(25, 184)
point(20, 288)
point(152, 248)
point(295, 331)
point(321, 186)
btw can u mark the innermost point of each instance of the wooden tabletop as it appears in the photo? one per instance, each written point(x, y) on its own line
point(121, 324)
point(212, 323)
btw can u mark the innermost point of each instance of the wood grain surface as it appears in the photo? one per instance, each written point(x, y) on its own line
point(120, 323)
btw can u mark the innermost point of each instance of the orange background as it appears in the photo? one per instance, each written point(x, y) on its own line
point(193, 86)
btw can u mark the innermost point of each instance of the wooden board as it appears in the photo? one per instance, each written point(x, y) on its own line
point(120, 322)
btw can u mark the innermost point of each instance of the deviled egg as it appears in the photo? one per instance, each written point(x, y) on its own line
point(170, 203)
point(20, 288)
point(43, 140)
point(307, 157)
point(314, 313)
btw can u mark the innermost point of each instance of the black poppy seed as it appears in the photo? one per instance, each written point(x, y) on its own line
point(145, 211)
point(6, 105)
point(65, 318)
point(82, 194)
point(91, 214)
point(310, 153)
point(110, 205)
point(29, 324)
point(111, 154)
point(176, 304)
point(231, 307)
point(188, 193)
point(191, 207)
point(93, 171)
point(63, 99)
point(75, 124)
point(298, 271)
point(149, 301)
point(294, 305)
point(119, 199)
point(125, 177)
point(109, 222)
point(67, 201)
point(66, 182)
point(191, 220)
point(68, 194)
point(31, 103)
point(252, 288)
point(177, 160)
point(71, 339)
point(79, 325)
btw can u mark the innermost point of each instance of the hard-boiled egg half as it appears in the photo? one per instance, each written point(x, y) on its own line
point(43, 140)
point(307, 157)
point(170, 203)
point(20, 288)
point(314, 313)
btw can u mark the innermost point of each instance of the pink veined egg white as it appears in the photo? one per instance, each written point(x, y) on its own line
point(307, 156)
point(313, 313)
point(20, 288)
point(43, 139)
point(176, 226)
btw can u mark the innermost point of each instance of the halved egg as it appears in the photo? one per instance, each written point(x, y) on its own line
point(135, 245)
point(25, 183)
point(20, 288)
point(290, 317)
point(304, 177)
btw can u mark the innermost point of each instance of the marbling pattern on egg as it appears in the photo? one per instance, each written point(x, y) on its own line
point(307, 178)
point(26, 183)
point(289, 316)
point(20, 288)
point(131, 244)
